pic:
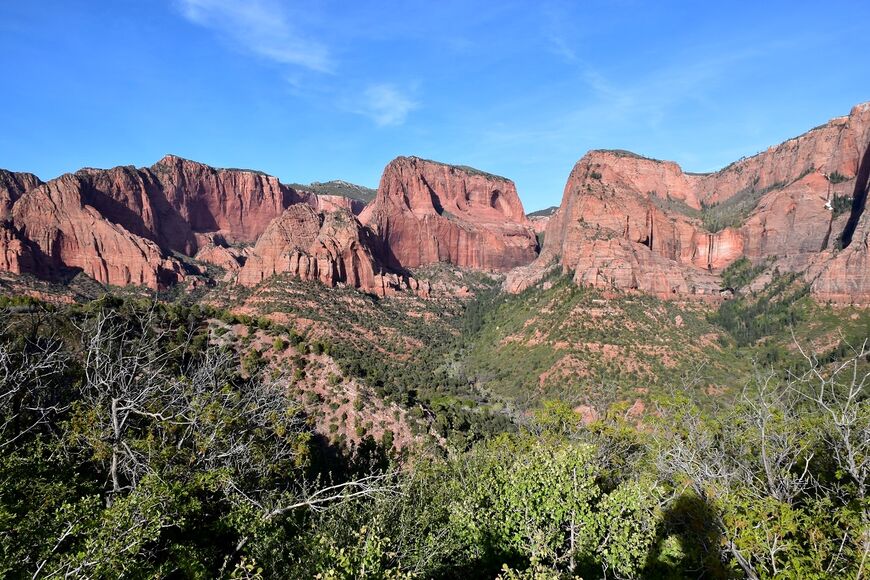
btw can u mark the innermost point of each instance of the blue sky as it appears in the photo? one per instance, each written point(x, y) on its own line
point(322, 89)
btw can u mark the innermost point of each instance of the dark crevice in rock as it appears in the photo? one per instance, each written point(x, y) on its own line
point(859, 198)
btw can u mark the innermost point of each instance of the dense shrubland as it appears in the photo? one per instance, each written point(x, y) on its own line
point(137, 443)
point(571, 343)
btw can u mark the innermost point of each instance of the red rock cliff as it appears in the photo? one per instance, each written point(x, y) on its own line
point(13, 186)
point(239, 204)
point(427, 212)
point(333, 248)
point(120, 225)
point(63, 231)
point(629, 222)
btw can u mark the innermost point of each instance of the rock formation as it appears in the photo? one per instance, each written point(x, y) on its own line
point(333, 248)
point(62, 231)
point(539, 219)
point(327, 202)
point(239, 204)
point(427, 212)
point(629, 222)
point(13, 186)
point(625, 222)
point(121, 225)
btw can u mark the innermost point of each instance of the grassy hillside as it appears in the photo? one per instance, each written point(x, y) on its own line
point(562, 341)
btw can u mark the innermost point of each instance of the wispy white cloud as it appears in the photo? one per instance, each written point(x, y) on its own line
point(557, 29)
point(614, 112)
point(261, 27)
point(270, 29)
point(385, 104)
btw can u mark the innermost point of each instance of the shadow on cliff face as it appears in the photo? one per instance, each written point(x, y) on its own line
point(859, 198)
point(383, 253)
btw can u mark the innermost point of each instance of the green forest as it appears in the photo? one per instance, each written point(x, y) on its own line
point(139, 442)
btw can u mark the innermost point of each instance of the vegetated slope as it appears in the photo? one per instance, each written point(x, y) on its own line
point(773, 317)
point(546, 212)
point(339, 187)
point(401, 347)
point(557, 340)
point(214, 469)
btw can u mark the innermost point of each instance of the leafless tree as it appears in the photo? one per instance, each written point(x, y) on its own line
point(125, 363)
point(841, 392)
point(705, 458)
point(765, 446)
point(28, 398)
point(780, 466)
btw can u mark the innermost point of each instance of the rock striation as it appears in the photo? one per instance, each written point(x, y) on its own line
point(124, 225)
point(61, 231)
point(427, 212)
point(333, 248)
point(631, 223)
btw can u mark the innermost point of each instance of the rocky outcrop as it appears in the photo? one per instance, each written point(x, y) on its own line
point(288, 245)
point(333, 248)
point(630, 222)
point(225, 257)
point(13, 186)
point(15, 255)
point(427, 212)
point(539, 219)
point(539, 223)
point(327, 203)
point(64, 232)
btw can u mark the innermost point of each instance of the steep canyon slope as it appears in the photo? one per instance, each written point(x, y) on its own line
point(632, 223)
point(427, 212)
point(160, 225)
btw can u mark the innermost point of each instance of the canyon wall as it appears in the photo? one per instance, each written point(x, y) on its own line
point(631, 223)
point(427, 212)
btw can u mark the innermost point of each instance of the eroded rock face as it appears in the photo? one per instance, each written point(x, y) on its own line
point(120, 225)
point(628, 222)
point(539, 223)
point(613, 235)
point(226, 257)
point(15, 255)
point(333, 248)
point(328, 203)
point(175, 200)
point(12, 186)
point(63, 231)
point(237, 203)
point(427, 212)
